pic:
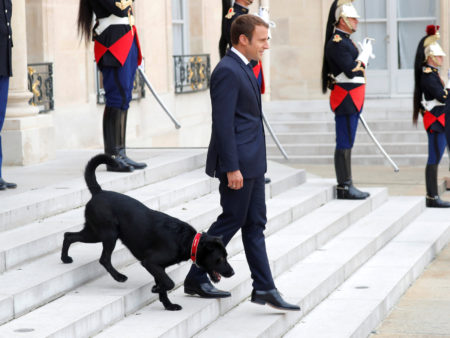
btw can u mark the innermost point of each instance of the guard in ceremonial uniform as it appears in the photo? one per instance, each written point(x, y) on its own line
point(431, 101)
point(6, 44)
point(117, 53)
point(344, 73)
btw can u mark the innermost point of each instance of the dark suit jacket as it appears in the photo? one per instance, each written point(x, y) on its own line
point(237, 138)
point(5, 38)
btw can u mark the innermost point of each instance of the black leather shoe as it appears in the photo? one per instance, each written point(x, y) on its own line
point(4, 185)
point(204, 290)
point(267, 180)
point(436, 202)
point(349, 192)
point(272, 298)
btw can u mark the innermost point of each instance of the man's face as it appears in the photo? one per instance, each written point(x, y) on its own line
point(255, 48)
point(354, 22)
point(245, 3)
point(435, 61)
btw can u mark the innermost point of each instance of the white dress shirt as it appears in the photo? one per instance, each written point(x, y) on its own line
point(241, 56)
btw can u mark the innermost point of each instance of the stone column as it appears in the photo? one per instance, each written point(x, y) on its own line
point(27, 136)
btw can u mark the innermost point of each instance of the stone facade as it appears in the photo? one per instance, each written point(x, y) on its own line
point(292, 70)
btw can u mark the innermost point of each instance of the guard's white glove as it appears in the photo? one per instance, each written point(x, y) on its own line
point(366, 51)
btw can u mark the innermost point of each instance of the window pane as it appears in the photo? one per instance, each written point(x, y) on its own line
point(371, 9)
point(177, 10)
point(178, 39)
point(409, 35)
point(378, 32)
point(416, 8)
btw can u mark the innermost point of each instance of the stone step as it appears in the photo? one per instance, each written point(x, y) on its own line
point(327, 115)
point(39, 238)
point(401, 160)
point(400, 137)
point(377, 106)
point(311, 280)
point(33, 284)
point(295, 126)
point(284, 207)
point(26, 207)
point(359, 148)
point(197, 313)
point(33, 240)
point(357, 307)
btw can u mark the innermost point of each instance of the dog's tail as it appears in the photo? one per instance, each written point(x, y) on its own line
point(89, 172)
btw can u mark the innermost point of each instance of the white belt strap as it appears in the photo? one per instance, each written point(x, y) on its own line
point(429, 105)
point(104, 23)
point(342, 78)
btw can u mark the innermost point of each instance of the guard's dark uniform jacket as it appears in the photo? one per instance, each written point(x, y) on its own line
point(234, 12)
point(232, 15)
point(114, 43)
point(6, 42)
point(435, 93)
point(346, 97)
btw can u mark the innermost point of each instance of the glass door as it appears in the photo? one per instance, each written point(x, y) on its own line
point(374, 23)
point(397, 27)
point(411, 17)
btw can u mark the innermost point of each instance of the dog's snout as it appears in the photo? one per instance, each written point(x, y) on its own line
point(230, 272)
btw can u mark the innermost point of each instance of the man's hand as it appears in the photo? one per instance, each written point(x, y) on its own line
point(235, 180)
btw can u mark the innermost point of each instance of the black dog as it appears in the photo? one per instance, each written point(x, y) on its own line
point(157, 240)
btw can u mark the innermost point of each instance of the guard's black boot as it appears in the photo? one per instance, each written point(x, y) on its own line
point(111, 139)
point(6, 185)
point(122, 150)
point(432, 198)
point(345, 188)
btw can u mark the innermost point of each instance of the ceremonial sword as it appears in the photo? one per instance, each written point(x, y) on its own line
point(364, 123)
point(274, 137)
point(149, 85)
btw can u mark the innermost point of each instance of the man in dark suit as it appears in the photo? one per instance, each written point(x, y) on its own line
point(5, 72)
point(237, 157)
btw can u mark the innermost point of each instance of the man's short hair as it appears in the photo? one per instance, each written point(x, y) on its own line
point(245, 24)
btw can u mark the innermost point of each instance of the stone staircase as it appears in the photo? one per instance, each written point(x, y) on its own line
point(347, 260)
point(307, 131)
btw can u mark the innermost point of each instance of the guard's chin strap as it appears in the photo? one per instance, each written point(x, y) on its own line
point(349, 25)
point(435, 60)
point(195, 247)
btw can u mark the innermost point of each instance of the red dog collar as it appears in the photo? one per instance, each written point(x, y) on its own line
point(194, 247)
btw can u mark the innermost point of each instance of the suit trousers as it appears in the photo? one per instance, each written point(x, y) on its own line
point(4, 86)
point(244, 210)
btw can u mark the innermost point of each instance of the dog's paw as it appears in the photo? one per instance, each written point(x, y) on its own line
point(156, 289)
point(67, 259)
point(173, 307)
point(121, 278)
